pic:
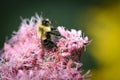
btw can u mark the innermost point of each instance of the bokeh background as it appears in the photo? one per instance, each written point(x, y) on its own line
point(99, 19)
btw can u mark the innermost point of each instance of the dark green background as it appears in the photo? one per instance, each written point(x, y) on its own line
point(67, 13)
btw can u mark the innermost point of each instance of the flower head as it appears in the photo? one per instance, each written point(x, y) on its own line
point(24, 58)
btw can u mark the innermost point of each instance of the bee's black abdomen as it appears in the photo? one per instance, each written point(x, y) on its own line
point(49, 44)
point(48, 36)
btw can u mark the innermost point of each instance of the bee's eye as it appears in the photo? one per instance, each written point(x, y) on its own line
point(45, 22)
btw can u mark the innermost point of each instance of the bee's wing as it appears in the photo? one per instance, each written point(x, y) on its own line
point(54, 36)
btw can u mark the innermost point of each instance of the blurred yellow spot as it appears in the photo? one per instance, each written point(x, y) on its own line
point(105, 31)
point(110, 73)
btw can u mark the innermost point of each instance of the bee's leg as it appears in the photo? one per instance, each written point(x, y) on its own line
point(56, 33)
point(53, 28)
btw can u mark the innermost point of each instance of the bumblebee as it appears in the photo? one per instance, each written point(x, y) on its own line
point(45, 31)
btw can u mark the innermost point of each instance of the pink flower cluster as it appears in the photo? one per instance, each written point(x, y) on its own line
point(23, 58)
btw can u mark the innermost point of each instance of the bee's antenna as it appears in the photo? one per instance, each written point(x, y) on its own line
point(54, 22)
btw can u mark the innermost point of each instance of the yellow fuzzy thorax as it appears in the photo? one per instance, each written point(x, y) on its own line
point(42, 31)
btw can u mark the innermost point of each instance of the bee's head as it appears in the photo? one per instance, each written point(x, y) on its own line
point(46, 22)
